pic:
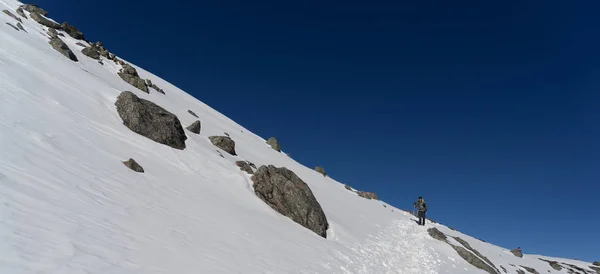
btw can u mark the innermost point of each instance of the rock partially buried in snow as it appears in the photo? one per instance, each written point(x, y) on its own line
point(274, 144)
point(368, 195)
point(192, 113)
point(130, 75)
point(21, 12)
point(91, 52)
point(34, 9)
point(321, 170)
point(596, 263)
point(517, 253)
point(244, 166)
point(13, 26)
point(194, 127)
point(348, 187)
point(72, 31)
point(287, 194)
point(133, 165)
point(44, 21)
point(61, 47)
point(52, 33)
point(553, 264)
point(21, 27)
point(436, 234)
point(223, 142)
point(12, 15)
point(150, 120)
point(530, 270)
point(473, 260)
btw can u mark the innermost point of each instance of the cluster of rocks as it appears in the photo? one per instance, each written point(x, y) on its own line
point(12, 15)
point(368, 195)
point(18, 26)
point(155, 87)
point(95, 50)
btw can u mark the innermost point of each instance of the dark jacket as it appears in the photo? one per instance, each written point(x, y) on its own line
point(421, 205)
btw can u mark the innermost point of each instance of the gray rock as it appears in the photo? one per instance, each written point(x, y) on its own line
point(194, 127)
point(468, 246)
point(104, 52)
point(596, 263)
point(321, 170)
point(274, 144)
point(473, 260)
point(130, 75)
point(348, 187)
point(530, 270)
point(517, 253)
point(436, 234)
point(368, 195)
point(12, 15)
point(91, 52)
point(44, 21)
point(251, 164)
point(133, 165)
point(81, 45)
point(519, 271)
point(223, 142)
point(21, 12)
point(244, 166)
point(150, 120)
point(287, 194)
point(553, 264)
point(52, 33)
point(21, 27)
point(193, 114)
point(148, 82)
point(61, 47)
point(72, 31)
point(13, 26)
point(34, 9)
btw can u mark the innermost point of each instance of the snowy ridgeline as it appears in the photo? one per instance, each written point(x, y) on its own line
point(158, 182)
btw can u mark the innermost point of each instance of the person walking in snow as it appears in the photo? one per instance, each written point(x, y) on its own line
point(421, 206)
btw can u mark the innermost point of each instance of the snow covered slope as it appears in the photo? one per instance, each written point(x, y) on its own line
point(68, 204)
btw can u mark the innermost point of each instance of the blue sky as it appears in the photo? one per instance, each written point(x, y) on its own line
point(488, 110)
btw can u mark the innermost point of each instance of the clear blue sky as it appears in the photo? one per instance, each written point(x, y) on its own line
point(489, 110)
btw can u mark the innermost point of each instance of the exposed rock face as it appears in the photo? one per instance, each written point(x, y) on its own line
point(133, 165)
point(21, 12)
point(274, 144)
point(468, 246)
point(34, 9)
point(61, 47)
point(52, 33)
point(553, 264)
point(530, 270)
point(44, 21)
point(72, 31)
point(12, 15)
point(192, 113)
point(368, 195)
point(223, 142)
point(130, 75)
point(436, 234)
point(287, 194)
point(244, 166)
point(473, 260)
point(150, 120)
point(194, 127)
point(320, 170)
point(517, 253)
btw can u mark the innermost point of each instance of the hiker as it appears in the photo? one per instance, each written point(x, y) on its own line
point(421, 206)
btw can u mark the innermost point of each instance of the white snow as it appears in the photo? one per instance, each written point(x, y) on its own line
point(68, 204)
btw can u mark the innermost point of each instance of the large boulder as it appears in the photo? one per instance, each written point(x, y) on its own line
point(223, 142)
point(34, 9)
point(517, 253)
point(150, 120)
point(61, 47)
point(44, 21)
point(274, 144)
point(72, 31)
point(368, 195)
point(91, 52)
point(130, 75)
point(133, 165)
point(195, 127)
point(12, 15)
point(474, 260)
point(287, 194)
point(321, 170)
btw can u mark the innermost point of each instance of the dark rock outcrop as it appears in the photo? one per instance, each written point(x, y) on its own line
point(530, 270)
point(13, 26)
point(223, 142)
point(12, 15)
point(150, 120)
point(194, 127)
point(72, 31)
point(474, 260)
point(192, 113)
point(287, 194)
point(21, 12)
point(34, 9)
point(321, 170)
point(81, 44)
point(436, 234)
point(553, 264)
point(517, 253)
point(61, 47)
point(133, 165)
point(468, 246)
point(274, 144)
point(368, 195)
point(44, 21)
point(130, 75)
point(244, 166)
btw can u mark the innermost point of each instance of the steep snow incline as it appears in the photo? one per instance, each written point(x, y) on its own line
point(68, 204)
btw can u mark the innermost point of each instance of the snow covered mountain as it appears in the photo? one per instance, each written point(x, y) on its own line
point(68, 204)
